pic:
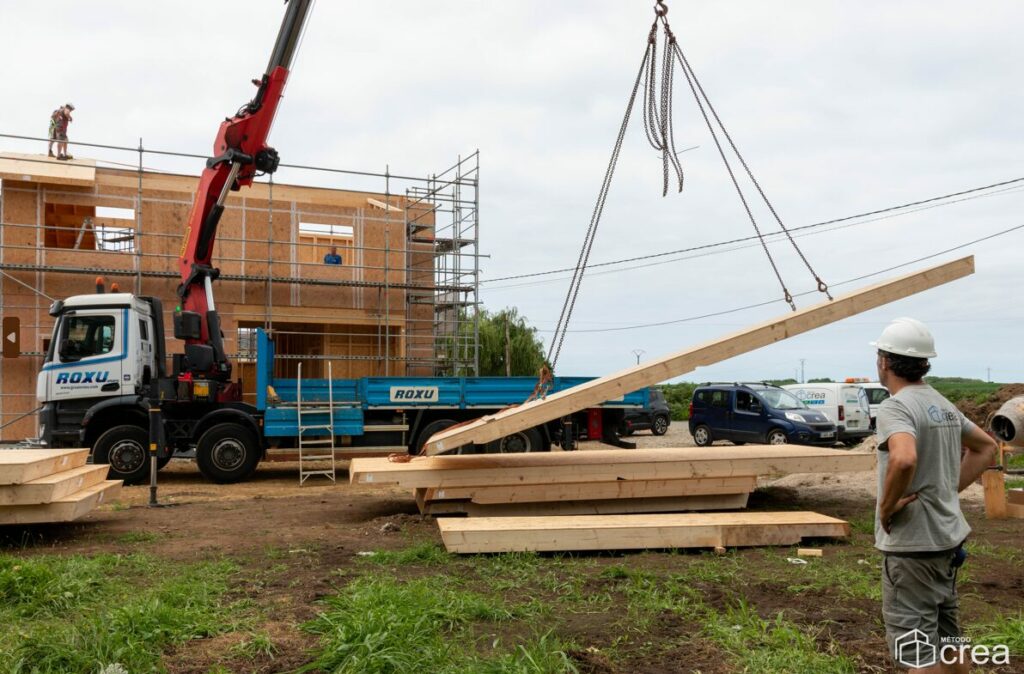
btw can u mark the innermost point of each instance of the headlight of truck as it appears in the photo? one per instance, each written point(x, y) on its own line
point(793, 416)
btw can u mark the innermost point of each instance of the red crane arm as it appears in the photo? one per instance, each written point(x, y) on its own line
point(240, 152)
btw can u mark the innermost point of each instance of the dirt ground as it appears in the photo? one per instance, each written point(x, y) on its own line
point(321, 528)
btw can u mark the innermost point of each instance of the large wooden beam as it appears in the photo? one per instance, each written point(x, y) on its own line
point(635, 532)
point(623, 506)
point(442, 472)
point(53, 487)
point(18, 466)
point(610, 387)
point(65, 509)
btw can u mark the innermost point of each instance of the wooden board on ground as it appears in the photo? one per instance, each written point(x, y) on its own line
point(53, 487)
point(610, 387)
point(591, 491)
point(18, 466)
point(66, 509)
point(622, 506)
point(1015, 496)
point(636, 532)
point(607, 466)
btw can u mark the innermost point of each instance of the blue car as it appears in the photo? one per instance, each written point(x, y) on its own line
point(758, 413)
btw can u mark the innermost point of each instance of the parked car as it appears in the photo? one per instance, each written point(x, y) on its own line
point(764, 413)
point(656, 416)
point(845, 405)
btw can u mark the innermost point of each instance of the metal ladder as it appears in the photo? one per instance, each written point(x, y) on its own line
point(316, 448)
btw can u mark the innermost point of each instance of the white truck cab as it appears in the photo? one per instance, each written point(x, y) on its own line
point(845, 405)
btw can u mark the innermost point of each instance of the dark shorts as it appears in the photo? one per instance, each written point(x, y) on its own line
point(919, 593)
point(60, 135)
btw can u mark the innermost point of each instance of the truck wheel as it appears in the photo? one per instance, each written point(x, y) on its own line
point(776, 437)
point(430, 429)
point(702, 436)
point(227, 453)
point(126, 450)
point(660, 425)
point(526, 441)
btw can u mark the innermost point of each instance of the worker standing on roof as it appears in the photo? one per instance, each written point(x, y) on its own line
point(918, 523)
point(59, 120)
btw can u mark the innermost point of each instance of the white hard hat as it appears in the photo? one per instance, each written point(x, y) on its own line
point(907, 337)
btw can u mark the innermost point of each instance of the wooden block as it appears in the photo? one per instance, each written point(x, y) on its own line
point(635, 532)
point(625, 506)
point(1015, 496)
point(809, 552)
point(995, 494)
point(53, 487)
point(1015, 511)
point(610, 387)
point(18, 466)
point(607, 466)
point(590, 491)
point(67, 509)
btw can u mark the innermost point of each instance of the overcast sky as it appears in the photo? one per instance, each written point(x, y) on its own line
point(839, 107)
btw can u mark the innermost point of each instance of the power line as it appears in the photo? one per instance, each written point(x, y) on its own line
point(802, 294)
point(774, 233)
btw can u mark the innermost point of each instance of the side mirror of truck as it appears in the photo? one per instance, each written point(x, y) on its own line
point(67, 351)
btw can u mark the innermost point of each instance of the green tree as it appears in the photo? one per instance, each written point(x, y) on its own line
point(506, 332)
point(820, 380)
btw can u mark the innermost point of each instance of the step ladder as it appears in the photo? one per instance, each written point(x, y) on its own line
point(315, 416)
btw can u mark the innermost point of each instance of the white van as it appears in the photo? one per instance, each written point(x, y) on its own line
point(845, 405)
point(876, 394)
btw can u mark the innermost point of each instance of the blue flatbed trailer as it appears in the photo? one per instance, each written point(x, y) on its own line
point(386, 414)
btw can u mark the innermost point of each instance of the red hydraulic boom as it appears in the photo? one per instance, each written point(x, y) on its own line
point(240, 154)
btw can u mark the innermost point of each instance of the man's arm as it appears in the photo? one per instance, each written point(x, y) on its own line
point(980, 454)
point(898, 476)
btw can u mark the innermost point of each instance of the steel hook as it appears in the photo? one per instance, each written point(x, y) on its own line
point(660, 8)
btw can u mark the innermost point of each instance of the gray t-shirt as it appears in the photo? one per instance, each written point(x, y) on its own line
point(934, 521)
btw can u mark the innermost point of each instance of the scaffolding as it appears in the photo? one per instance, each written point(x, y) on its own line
point(404, 300)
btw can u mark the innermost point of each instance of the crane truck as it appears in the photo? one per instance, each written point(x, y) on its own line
point(106, 367)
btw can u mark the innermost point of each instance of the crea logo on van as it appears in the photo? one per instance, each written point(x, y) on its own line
point(83, 377)
point(409, 394)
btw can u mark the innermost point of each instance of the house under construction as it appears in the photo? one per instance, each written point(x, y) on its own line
point(402, 301)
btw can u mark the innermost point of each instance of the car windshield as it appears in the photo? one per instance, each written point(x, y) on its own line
point(781, 400)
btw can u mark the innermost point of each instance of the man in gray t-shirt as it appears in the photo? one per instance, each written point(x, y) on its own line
point(918, 523)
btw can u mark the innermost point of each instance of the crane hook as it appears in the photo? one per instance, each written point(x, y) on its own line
point(660, 8)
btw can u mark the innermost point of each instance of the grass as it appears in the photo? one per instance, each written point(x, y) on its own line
point(1006, 630)
point(847, 575)
point(139, 537)
point(380, 625)
point(80, 614)
point(429, 554)
point(255, 646)
point(1015, 483)
point(1015, 461)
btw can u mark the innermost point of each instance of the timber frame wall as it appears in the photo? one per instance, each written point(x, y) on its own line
point(403, 302)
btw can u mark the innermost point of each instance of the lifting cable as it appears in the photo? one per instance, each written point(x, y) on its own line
point(658, 128)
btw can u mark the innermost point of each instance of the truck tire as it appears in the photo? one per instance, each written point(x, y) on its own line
point(126, 450)
point(660, 425)
point(530, 440)
point(430, 429)
point(702, 436)
point(227, 453)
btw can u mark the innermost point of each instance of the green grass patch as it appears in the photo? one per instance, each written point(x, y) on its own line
point(770, 646)
point(843, 574)
point(258, 645)
point(81, 614)
point(425, 554)
point(139, 537)
point(956, 389)
point(1006, 630)
point(1015, 462)
point(379, 625)
point(1015, 482)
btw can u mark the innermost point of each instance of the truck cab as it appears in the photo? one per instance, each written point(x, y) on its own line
point(102, 353)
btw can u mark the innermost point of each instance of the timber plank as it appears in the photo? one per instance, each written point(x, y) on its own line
point(667, 504)
point(635, 532)
point(686, 463)
point(67, 509)
point(595, 392)
point(42, 169)
point(53, 487)
point(1015, 496)
point(589, 491)
point(18, 466)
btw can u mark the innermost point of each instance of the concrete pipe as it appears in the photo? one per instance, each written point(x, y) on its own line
point(1008, 422)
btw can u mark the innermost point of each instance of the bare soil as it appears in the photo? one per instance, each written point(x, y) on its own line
point(297, 544)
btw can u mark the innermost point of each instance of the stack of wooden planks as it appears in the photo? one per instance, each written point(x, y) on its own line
point(560, 492)
point(51, 485)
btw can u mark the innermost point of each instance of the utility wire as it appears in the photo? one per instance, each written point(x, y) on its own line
point(806, 292)
point(767, 234)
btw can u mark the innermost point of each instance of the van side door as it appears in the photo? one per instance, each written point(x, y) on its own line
point(747, 421)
